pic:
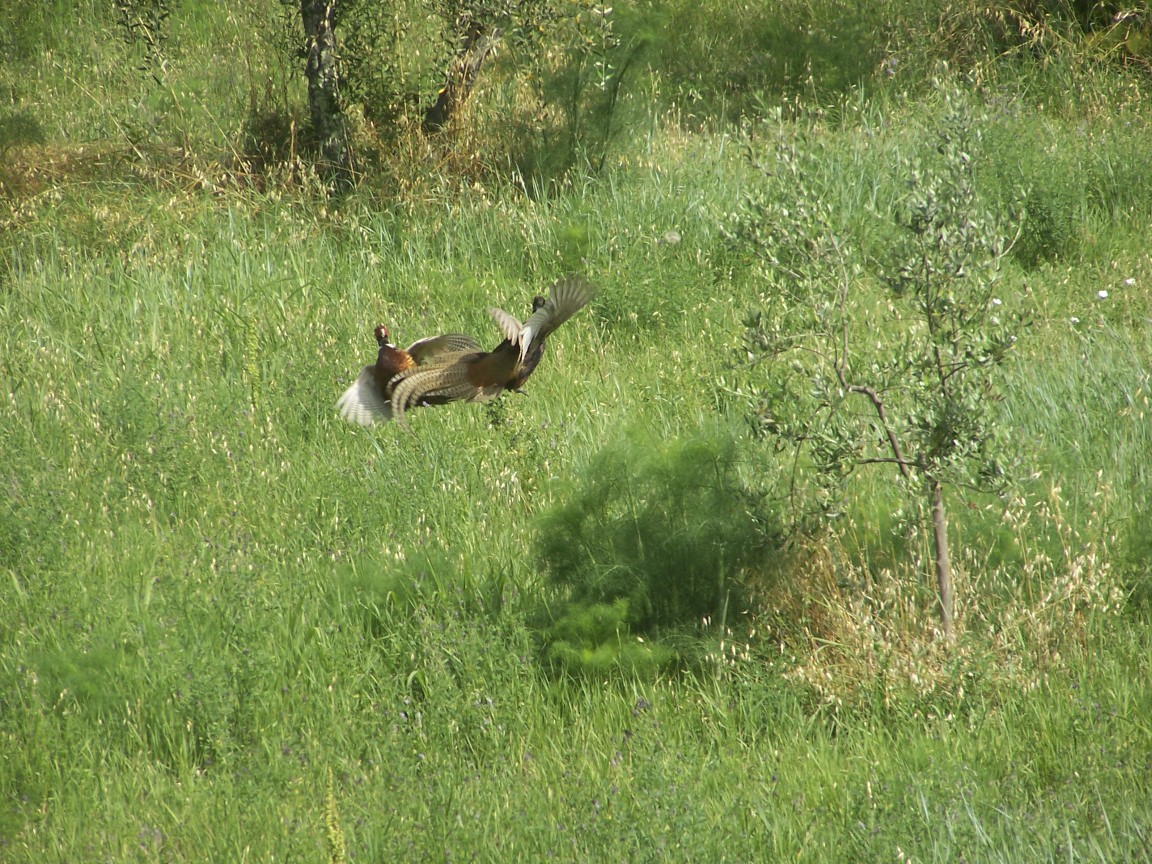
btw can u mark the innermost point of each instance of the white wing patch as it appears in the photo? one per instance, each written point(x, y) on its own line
point(362, 403)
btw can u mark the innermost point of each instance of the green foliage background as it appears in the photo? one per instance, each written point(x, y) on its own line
point(234, 628)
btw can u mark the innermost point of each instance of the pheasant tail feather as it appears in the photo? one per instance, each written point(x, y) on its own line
point(440, 382)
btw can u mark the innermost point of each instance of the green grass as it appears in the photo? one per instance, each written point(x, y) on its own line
point(233, 627)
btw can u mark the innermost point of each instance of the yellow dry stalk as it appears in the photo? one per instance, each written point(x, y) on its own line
point(251, 360)
point(337, 852)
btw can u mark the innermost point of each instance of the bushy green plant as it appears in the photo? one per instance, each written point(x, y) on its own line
point(383, 75)
point(1050, 194)
point(388, 587)
point(155, 691)
point(576, 89)
point(597, 639)
point(666, 528)
point(145, 24)
point(730, 60)
point(1048, 229)
point(29, 27)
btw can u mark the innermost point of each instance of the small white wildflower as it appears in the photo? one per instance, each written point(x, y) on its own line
point(996, 301)
point(1129, 281)
point(1102, 294)
point(1074, 320)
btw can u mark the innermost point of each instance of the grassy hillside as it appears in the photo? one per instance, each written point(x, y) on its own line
point(233, 627)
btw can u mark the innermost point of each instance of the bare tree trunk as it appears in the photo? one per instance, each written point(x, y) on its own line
point(943, 562)
point(474, 48)
point(324, 92)
point(939, 517)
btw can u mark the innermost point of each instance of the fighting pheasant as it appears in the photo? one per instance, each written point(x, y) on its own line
point(471, 375)
point(369, 399)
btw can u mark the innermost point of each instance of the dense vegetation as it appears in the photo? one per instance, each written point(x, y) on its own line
point(651, 610)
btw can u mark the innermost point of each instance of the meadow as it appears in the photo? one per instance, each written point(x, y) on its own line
point(236, 628)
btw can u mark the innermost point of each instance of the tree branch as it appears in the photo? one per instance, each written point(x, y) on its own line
point(893, 441)
point(476, 44)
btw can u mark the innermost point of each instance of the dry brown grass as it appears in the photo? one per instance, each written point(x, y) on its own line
point(859, 635)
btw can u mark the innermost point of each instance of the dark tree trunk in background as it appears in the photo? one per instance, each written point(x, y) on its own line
point(324, 92)
point(476, 43)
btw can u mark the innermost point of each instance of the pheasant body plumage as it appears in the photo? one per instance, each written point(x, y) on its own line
point(369, 399)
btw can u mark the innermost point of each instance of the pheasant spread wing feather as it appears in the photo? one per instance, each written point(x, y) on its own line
point(509, 325)
point(362, 402)
point(446, 380)
point(566, 297)
point(426, 350)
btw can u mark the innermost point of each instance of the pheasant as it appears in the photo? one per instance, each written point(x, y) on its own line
point(369, 399)
point(473, 376)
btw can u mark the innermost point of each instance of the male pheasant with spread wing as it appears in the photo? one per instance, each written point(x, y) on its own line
point(369, 399)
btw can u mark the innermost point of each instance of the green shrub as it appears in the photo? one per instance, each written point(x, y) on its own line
point(665, 527)
point(28, 27)
point(597, 639)
point(729, 60)
point(148, 689)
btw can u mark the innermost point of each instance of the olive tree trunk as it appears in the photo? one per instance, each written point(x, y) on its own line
point(324, 91)
point(943, 559)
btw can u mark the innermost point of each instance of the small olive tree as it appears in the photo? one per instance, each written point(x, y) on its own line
point(907, 382)
point(145, 24)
